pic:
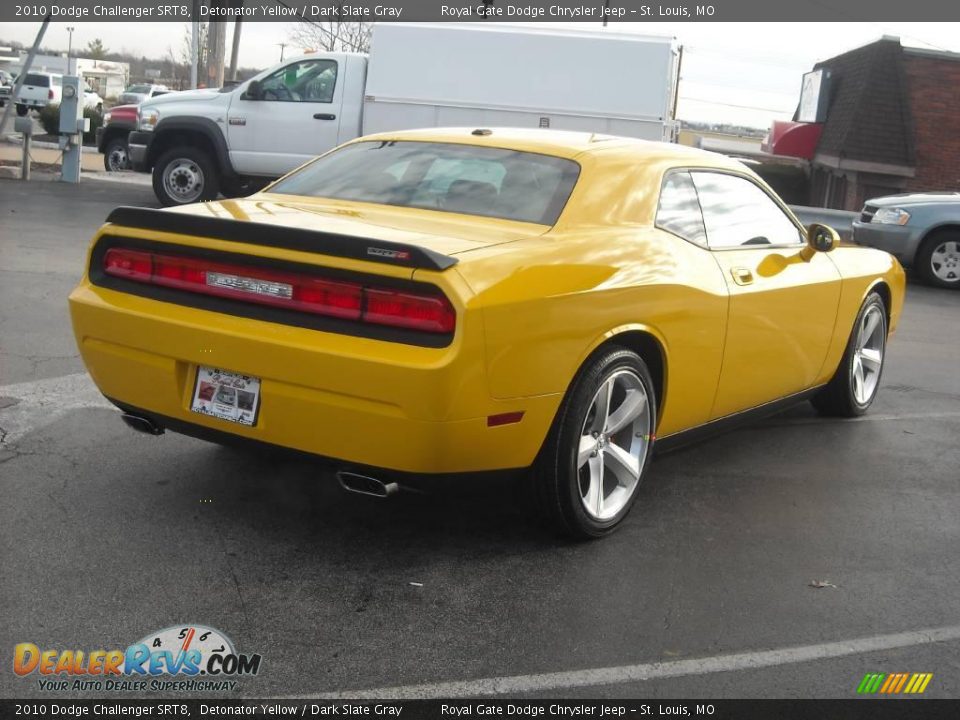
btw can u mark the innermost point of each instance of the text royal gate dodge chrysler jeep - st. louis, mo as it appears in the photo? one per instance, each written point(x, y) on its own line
point(453, 301)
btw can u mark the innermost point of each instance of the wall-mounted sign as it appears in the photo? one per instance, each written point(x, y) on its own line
point(814, 97)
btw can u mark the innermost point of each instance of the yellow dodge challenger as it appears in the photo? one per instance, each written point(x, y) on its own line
point(438, 302)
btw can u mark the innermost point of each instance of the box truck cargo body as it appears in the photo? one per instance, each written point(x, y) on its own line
point(463, 75)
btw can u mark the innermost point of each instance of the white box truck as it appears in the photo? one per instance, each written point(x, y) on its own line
point(202, 142)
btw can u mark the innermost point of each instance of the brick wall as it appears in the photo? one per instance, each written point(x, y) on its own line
point(933, 85)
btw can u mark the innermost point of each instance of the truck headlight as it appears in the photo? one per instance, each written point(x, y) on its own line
point(147, 119)
point(890, 216)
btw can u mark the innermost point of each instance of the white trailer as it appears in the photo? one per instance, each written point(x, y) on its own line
point(430, 75)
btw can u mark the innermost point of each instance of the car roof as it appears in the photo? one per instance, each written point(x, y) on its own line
point(564, 143)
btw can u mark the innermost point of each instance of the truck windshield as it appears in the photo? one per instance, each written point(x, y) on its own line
point(468, 179)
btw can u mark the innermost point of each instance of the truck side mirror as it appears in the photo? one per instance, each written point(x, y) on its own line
point(254, 91)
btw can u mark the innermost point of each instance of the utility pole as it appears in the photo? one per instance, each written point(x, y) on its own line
point(23, 72)
point(235, 51)
point(216, 49)
point(282, 46)
point(194, 42)
point(70, 49)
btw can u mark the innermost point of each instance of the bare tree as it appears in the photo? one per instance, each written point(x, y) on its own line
point(332, 36)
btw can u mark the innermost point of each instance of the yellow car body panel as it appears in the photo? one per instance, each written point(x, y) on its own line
point(532, 303)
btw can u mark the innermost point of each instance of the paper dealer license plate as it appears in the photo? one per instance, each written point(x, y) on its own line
point(226, 395)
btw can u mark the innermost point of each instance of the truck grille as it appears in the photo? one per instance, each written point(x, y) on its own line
point(868, 212)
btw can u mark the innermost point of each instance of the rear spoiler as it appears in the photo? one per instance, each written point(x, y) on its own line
point(278, 236)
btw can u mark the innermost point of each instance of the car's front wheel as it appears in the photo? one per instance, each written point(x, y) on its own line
point(185, 175)
point(854, 386)
point(938, 260)
point(115, 156)
point(589, 471)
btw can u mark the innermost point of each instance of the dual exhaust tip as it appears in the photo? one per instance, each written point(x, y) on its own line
point(349, 481)
point(366, 485)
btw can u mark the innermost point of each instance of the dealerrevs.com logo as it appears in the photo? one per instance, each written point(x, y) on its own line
point(181, 658)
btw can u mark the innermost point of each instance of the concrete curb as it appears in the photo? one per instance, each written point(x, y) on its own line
point(127, 177)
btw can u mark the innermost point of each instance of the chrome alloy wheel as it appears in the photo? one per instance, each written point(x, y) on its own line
point(614, 442)
point(868, 355)
point(945, 261)
point(183, 180)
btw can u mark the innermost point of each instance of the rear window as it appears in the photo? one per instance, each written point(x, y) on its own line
point(490, 182)
point(37, 80)
point(138, 89)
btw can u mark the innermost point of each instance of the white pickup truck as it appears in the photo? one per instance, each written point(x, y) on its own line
point(204, 142)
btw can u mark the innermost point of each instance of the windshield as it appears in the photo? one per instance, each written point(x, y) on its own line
point(467, 179)
point(138, 89)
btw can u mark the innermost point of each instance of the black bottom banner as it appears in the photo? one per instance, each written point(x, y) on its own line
point(879, 709)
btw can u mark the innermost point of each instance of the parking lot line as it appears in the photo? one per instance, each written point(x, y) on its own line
point(30, 405)
point(519, 684)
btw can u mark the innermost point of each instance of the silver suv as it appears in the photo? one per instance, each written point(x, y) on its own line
point(921, 230)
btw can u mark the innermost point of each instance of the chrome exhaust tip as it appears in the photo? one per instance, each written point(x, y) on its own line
point(142, 424)
point(366, 485)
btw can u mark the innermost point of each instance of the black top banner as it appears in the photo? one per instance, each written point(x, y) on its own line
point(479, 11)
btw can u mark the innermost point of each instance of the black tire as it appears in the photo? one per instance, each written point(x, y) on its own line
point(189, 167)
point(22, 110)
point(924, 261)
point(115, 156)
point(838, 397)
point(557, 483)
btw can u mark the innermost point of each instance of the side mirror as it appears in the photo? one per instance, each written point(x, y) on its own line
point(820, 238)
point(254, 91)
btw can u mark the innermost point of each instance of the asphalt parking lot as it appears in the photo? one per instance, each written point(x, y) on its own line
point(107, 535)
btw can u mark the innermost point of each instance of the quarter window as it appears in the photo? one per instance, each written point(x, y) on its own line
point(304, 81)
point(679, 210)
point(736, 213)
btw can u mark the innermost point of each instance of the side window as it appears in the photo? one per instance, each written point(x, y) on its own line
point(304, 81)
point(679, 209)
point(736, 212)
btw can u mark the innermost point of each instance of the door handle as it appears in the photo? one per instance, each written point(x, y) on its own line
point(741, 275)
point(324, 116)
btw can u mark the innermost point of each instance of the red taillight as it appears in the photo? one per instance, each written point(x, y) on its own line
point(49, 94)
point(419, 312)
point(290, 290)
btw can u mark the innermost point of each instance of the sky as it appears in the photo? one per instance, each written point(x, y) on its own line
point(739, 73)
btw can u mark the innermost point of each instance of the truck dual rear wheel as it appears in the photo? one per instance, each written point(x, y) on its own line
point(184, 175)
point(588, 474)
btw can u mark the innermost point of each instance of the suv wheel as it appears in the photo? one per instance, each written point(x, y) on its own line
point(938, 260)
point(185, 175)
point(22, 110)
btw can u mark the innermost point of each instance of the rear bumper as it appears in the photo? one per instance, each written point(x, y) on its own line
point(901, 241)
point(357, 401)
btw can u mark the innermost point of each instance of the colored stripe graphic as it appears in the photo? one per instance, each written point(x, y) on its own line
point(894, 683)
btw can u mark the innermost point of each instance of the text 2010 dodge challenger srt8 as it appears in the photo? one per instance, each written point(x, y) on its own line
point(451, 301)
